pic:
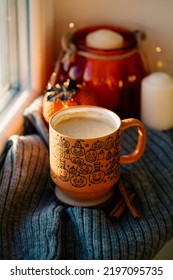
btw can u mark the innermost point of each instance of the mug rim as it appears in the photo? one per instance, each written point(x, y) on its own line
point(93, 108)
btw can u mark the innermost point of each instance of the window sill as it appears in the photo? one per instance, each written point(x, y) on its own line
point(11, 121)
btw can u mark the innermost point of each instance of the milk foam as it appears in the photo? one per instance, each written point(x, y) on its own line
point(85, 126)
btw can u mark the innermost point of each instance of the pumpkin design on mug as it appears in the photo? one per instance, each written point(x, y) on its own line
point(60, 152)
point(91, 155)
point(116, 156)
point(77, 160)
point(109, 143)
point(116, 171)
point(72, 170)
point(113, 170)
point(63, 143)
point(109, 155)
point(67, 154)
point(85, 169)
point(63, 174)
point(77, 149)
point(97, 176)
point(78, 181)
point(98, 145)
point(101, 155)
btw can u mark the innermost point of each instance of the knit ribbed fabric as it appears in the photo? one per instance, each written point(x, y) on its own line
point(34, 225)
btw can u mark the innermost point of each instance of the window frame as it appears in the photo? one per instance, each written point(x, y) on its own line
point(38, 38)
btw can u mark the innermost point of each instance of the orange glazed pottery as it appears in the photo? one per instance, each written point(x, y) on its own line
point(66, 95)
point(114, 75)
point(85, 153)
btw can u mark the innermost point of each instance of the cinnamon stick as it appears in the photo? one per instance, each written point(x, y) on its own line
point(120, 207)
point(128, 202)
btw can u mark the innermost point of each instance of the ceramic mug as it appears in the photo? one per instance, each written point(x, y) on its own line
point(85, 153)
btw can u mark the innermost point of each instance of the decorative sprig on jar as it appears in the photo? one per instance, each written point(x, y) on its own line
point(66, 95)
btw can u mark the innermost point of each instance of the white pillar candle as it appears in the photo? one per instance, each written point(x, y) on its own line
point(104, 39)
point(157, 101)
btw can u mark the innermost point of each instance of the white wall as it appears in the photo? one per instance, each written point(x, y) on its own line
point(154, 17)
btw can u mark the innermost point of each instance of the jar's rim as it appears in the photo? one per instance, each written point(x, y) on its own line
point(130, 40)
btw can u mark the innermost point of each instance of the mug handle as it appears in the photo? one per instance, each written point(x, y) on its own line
point(140, 147)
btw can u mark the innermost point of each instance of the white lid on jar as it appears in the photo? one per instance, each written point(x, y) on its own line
point(104, 39)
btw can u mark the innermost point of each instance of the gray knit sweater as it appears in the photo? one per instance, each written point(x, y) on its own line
point(34, 225)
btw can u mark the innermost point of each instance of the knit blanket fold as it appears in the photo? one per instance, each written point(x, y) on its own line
point(35, 226)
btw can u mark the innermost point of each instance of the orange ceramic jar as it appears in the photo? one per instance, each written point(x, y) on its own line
point(114, 75)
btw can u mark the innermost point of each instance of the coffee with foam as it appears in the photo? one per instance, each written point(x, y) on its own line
point(85, 126)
